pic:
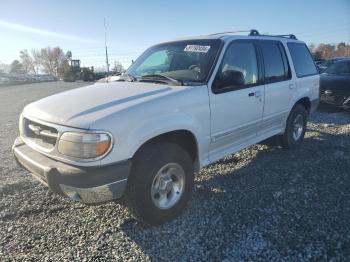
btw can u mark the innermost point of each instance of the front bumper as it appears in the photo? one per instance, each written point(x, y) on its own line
point(331, 98)
point(85, 184)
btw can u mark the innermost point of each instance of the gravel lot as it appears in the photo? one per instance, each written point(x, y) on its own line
point(262, 203)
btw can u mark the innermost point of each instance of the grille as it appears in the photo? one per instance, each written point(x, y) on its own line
point(42, 135)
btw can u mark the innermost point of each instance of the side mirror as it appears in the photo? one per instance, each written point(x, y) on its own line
point(230, 78)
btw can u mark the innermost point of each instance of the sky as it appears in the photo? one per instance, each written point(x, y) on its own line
point(133, 26)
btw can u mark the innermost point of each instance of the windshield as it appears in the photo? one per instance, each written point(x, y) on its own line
point(185, 61)
point(339, 68)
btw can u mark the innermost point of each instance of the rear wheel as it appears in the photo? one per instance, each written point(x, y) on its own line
point(295, 128)
point(91, 77)
point(160, 184)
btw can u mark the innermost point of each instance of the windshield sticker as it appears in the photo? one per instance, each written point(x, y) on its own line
point(197, 48)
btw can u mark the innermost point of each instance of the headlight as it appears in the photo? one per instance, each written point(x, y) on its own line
point(84, 145)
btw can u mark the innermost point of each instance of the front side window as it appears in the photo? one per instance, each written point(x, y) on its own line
point(189, 60)
point(238, 68)
point(275, 66)
point(302, 60)
point(339, 68)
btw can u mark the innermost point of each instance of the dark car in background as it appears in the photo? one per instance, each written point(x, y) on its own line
point(323, 64)
point(320, 63)
point(335, 84)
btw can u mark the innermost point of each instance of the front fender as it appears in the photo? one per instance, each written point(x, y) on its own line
point(160, 125)
point(187, 110)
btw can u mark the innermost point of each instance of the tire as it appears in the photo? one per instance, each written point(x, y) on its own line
point(91, 77)
point(69, 77)
point(295, 128)
point(146, 178)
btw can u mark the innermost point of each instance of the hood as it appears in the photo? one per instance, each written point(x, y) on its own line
point(80, 107)
point(335, 82)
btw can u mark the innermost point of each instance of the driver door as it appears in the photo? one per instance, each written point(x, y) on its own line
point(236, 103)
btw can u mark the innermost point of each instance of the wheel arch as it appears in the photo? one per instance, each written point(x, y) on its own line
point(305, 102)
point(182, 137)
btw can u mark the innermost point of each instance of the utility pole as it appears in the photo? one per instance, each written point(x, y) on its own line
point(107, 64)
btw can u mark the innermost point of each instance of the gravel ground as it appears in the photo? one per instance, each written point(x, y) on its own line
point(263, 203)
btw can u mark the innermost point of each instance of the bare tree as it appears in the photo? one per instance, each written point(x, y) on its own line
point(37, 59)
point(53, 61)
point(47, 60)
point(343, 50)
point(27, 61)
point(118, 67)
point(16, 67)
point(326, 51)
point(64, 64)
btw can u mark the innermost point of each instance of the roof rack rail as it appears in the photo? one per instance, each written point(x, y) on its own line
point(238, 31)
point(254, 32)
point(291, 36)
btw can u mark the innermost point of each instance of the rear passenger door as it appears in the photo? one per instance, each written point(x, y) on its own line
point(280, 91)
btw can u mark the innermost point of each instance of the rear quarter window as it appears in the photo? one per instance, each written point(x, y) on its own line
point(303, 63)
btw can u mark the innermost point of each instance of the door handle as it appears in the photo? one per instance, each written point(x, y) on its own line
point(291, 86)
point(256, 94)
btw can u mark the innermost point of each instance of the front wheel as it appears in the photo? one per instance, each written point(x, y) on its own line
point(295, 128)
point(160, 184)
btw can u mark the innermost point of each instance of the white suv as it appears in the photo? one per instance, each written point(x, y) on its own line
point(181, 106)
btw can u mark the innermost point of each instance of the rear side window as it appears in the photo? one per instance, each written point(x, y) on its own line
point(275, 61)
point(302, 60)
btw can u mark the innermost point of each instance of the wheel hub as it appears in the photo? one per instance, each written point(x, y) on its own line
point(168, 186)
point(298, 127)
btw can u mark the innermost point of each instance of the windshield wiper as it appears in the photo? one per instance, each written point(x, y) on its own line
point(127, 77)
point(168, 78)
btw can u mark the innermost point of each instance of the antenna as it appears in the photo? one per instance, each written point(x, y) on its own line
point(107, 64)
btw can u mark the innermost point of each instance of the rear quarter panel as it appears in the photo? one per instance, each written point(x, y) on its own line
point(307, 86)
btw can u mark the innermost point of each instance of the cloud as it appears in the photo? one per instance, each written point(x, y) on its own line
point(38, 31)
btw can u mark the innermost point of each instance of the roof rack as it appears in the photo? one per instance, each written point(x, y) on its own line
point(291, 36)
point(254, 32)
point(238, 31)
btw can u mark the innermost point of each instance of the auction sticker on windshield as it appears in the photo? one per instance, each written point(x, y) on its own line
point(197, 48)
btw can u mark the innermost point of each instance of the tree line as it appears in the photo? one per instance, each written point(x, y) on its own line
point(326, 51)
point(53, 61)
